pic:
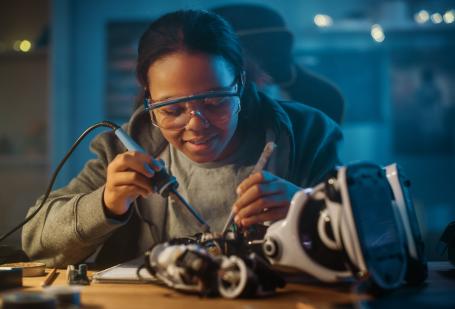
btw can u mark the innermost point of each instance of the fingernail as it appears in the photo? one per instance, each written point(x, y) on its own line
point(238, 191)
point(236, 219)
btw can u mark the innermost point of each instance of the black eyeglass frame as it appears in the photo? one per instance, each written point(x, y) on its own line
point(238, 85)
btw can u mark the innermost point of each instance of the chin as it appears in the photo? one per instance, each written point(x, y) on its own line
point(203, 153)
point(201, 158)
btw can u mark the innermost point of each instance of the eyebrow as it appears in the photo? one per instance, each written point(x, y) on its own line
point(220, 88)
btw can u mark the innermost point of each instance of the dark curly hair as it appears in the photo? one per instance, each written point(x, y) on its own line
point(189, 31)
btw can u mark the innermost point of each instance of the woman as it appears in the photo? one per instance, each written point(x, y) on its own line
point(210, 143)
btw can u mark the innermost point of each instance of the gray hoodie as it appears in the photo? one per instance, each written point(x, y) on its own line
point(73, 223)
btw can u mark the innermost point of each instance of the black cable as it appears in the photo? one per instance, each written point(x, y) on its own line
point(106, 124)
point(190, 208)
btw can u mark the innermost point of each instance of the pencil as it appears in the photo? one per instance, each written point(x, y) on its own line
point(50, 278)
point(263, 159)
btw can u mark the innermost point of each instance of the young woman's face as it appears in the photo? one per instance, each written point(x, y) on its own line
point(183, 74)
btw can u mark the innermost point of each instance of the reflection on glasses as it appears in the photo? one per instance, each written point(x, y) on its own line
point(215, 107)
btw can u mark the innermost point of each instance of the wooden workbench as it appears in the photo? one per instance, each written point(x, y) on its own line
point(438, 291)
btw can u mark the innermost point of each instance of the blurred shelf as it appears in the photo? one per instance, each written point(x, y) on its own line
point(357, 36)
point(21, 161)
point(365, 26)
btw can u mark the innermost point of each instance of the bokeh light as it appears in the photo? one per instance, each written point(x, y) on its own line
point(421, 17)
point(322, 20)
point(377, 33)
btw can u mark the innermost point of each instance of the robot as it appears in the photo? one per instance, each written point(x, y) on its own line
point(358, 225)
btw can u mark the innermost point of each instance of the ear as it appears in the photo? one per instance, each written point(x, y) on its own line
point(242, 81)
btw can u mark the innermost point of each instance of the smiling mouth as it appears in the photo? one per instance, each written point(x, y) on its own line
point(200, 141)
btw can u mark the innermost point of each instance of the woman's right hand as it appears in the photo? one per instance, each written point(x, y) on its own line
point(128, 177)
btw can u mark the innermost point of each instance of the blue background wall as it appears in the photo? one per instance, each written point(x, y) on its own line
point(78, 81)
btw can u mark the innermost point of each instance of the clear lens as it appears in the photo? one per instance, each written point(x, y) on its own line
point(216, 110)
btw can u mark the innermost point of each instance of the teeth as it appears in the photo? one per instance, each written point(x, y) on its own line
point(200, 142)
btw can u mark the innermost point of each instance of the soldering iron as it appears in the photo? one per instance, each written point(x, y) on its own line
point(162, 182)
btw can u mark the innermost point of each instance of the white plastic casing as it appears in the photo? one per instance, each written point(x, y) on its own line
point(285, 233)
point(400, 202)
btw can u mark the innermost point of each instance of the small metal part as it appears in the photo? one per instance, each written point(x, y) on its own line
point(270, 248)
point(77, 276)
point(256, 242)
point(206, 227)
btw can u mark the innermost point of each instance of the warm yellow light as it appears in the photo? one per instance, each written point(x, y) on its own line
point(449, 17)
point(422, 17)
point(25, 46)
point(436, 18)
point(322, 20)
point(377, 33)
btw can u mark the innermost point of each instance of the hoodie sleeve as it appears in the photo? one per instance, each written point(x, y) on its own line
point(73, 223)
point(315, 138)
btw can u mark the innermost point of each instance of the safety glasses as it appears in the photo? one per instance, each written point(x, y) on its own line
point(215, 107)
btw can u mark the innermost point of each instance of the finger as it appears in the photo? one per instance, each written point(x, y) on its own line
point(131, 178)
point(258, 206)
point(134, 161)
point(255, 192)
point(256, 178)
point(269, 215)
point(130, 191)
point(139, 156)
point(119, 199)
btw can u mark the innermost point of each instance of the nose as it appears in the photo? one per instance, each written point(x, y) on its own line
point(197, 120)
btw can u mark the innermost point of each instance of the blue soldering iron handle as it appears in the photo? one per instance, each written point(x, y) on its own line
point(127, 141)
point(162, 182)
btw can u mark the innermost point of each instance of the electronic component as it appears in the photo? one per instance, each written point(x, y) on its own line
point(77, 276)
point(194, 267)
point(359, 224)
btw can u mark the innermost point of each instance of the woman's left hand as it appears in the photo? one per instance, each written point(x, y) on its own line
point(263, 197)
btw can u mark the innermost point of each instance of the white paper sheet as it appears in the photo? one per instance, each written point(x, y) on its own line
point(124, 273)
